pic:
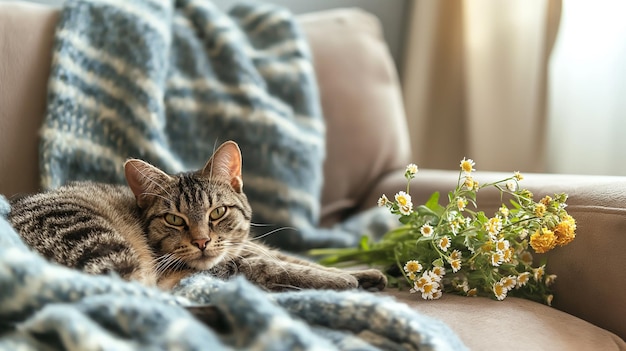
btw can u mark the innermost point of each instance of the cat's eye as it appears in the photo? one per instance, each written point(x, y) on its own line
point(218, 213)
point(174, 220)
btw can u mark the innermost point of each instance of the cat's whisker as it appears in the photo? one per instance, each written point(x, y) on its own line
point(273, 232)
point(288, 286)
point(167, 262)
point(162, 257)
point(261, 224)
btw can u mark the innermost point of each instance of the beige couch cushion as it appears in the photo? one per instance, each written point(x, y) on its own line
point(512, 324)
point(366, 128)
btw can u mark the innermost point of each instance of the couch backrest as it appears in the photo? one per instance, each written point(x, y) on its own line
point(360, 94)
point(367, 135)
point(26, 32)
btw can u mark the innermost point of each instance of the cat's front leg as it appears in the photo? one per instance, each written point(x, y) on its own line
point(275, 275)
point(368, 279)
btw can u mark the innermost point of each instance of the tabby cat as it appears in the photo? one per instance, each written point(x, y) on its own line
point(161, 228)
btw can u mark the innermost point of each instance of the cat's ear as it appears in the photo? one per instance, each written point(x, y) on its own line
point(226, 163)
point(144, 179)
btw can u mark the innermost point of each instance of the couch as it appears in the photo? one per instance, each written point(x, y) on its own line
point(368, 148)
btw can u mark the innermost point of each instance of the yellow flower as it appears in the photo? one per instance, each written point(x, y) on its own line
point(421, 282)
point(508, 255)
point(456, 265)
point(502, 245)
point(543, 240)
point(518, 176)
point(463, 285)
point(472, 292)
point(527, 194)
point(540, 210)
point(406, 210)
point(565, 231)
point(456, 255)
point(504, 211)
point(461, 203)
point(509, 282)
point(455, 225)
point(411, 276)
point(467, 165)
point(437, 294)
point(469, 183)
point(526, 257)
point(487, 247)
point(444, 243)
point(550, 279)
point(511, 185)
point(411, 170)
point(412, 266)
point(429, 291)
point(522, 279)
point(539, 272)
point(546, 200)
point(500, 291)
point(549, 299)
point(426, 230)
point(493, 226)
point(497, 258)
point(404, 203)
point(439, 271)
point(523, 234)
point(383, 201)
point(403, 199)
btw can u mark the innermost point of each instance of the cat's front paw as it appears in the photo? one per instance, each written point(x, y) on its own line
point(370, 279)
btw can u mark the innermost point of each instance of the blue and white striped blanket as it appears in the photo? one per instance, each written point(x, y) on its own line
point(165, 81)
point(44, 306)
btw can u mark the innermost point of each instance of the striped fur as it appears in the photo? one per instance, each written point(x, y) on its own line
point(102, 228)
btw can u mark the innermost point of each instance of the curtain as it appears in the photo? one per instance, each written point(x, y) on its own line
point(587, 110)
point(474, 81)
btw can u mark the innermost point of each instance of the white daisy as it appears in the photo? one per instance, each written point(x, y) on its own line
point(500, 291)
point(444, 243)
point(467, 165)
point(383, 201)
point(426, 230)
point(411, 170)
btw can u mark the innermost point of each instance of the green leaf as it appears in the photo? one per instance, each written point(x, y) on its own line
point(425, 211)
point(438, 262)
point(433, 201)
point(364, 243)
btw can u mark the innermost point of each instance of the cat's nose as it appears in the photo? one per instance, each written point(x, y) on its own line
point(201, 243)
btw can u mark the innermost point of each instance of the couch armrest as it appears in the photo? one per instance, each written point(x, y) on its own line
point(591, 275)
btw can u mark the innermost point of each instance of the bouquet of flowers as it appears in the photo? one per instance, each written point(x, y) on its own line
point(456, 248)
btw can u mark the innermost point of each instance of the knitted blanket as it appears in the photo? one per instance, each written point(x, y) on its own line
point(167, 81)
point(48, 307)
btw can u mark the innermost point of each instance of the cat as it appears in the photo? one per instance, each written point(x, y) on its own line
point(160, 228)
